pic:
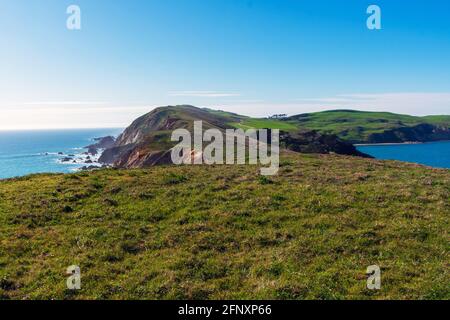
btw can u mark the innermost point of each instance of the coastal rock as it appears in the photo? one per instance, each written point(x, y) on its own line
point(101, 143)
point(88, 168)
point(112, 154)
point(93, 151)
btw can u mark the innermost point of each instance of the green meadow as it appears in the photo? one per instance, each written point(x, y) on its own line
point(225, 232)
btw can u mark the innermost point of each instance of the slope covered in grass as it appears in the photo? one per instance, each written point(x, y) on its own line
point(358, 126)
point(253, 123)
point(226, 232)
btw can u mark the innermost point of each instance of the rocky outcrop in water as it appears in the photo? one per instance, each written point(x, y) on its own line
point(101, 143)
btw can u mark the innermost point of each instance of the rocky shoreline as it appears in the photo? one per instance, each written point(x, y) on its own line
point(89, 158)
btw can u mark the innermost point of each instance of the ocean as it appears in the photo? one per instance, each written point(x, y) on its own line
point(26, 152)
point(433, 154)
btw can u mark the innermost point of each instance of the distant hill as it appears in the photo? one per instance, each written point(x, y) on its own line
point(375, 127)
point(146, 142)
point(362, 126)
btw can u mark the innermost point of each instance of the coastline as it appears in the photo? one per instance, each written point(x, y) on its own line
point(396, 143)
point(58, 151)
point(434, 154)
point(390, 143)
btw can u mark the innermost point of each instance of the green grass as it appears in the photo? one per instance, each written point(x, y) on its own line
point(230, 115)
point(216, 232)
point(440, 120)
point(264, 124)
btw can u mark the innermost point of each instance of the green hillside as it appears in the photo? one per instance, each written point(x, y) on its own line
point(253, 123)
point(438, 120)
point(214, 232)
point(351, 125)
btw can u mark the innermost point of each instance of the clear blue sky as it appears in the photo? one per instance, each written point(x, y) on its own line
point(255, 57)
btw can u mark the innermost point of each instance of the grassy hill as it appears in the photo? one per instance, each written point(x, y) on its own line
point(350, 125)
point(214, 232)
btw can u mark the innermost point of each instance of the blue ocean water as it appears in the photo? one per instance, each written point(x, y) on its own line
point(26, 152)
point(434, 154)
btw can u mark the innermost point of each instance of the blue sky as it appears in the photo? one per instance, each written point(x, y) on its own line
point(254, 57)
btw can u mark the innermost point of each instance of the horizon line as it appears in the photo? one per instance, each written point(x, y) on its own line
point(58, 128)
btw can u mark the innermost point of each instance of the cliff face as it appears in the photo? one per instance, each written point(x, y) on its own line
point(149, 149)
point(146, 142)
point(419, 133)
point(147, 139)
point(137, 158)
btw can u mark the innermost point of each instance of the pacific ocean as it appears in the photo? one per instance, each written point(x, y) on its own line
point(37, 151)
point(433, 154)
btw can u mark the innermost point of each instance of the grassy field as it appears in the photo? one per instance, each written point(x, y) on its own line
point(216, 232)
